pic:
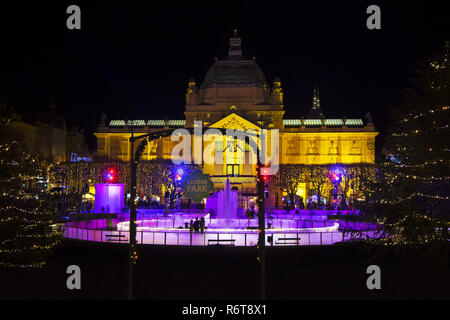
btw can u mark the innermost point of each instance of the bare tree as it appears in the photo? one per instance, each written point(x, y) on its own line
point(318, 177)
point(287, 180)
point(363, 181)
point(355, 177)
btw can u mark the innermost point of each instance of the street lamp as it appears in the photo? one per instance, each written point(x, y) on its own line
point(260, 179)
point(110, 175)
point(178, 177)
point(134, 159)
point(336, 179)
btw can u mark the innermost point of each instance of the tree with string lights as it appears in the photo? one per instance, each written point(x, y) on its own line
point(26, 237)
point(412, 188)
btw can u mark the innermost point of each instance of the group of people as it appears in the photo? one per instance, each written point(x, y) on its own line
point(250, 214)
point(197, 225)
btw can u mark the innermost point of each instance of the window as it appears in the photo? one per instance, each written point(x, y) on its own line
point(218, 145)
point(233, 170)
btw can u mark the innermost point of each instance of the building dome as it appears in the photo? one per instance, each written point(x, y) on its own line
point(234, 73)
point(235, 70)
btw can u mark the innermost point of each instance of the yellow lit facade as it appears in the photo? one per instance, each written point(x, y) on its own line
point(235, 95)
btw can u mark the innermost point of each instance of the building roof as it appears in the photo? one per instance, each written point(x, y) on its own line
point(288, 123)
point(234, 70)
point(150, 123)
point(319, 122)
point(234, 73)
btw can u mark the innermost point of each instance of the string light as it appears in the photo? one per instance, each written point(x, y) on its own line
point(413, 182)
point(27, 237)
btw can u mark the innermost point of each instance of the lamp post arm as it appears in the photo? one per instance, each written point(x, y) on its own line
point(134, 159)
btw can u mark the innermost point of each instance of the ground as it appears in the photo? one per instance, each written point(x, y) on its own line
point(328, 272)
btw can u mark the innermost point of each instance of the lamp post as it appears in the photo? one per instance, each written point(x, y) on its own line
point(134, 159)
point(261, 227)
point(132, 225)
point(260, 183)
point(336, 178)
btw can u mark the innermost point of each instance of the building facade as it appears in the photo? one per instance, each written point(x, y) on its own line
point(235, 95)
point(47, 136)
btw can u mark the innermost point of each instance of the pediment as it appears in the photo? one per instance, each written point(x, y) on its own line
point(235, 122)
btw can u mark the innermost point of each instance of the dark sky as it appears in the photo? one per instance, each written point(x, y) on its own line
point(133, 58)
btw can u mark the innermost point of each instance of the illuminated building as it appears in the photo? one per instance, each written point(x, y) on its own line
point(46, 135)
point(235, 95)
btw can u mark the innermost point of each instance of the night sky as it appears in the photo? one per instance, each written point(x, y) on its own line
point(132, 59)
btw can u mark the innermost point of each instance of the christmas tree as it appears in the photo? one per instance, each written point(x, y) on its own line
point(413, 183)
point(26, 237)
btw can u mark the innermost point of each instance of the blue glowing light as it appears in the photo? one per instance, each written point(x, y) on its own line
point(179, 174)
point(336, 175)
point(394, 159)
